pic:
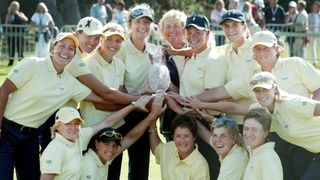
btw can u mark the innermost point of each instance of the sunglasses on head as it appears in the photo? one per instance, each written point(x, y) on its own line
point(111, 134)
point(225, 122)
point(138, 12)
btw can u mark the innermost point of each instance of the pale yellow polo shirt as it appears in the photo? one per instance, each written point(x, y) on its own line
point(111, 75)
point(233, 165)
point(203, 71)
point(193, 167)
point(77, 67)
point(264, 164)
point(180, 63)
point(93, 168)
point(294, 122)
point(137, 65)
point(63, 157)
point(40, 91)
point(296, 76)
point(238, 64)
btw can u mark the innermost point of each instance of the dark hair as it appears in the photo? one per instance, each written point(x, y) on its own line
point(261, 115)
point(232, 128)
point(186, 120)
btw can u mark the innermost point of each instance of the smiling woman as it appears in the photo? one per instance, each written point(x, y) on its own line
point(181, 154)
point(37, 88)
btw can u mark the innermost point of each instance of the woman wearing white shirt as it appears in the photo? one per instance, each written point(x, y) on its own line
point(43, 21)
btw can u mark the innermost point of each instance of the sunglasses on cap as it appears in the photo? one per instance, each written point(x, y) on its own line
point(141, 12)
point(111, 134)
point(225, 122)
point(263, 79)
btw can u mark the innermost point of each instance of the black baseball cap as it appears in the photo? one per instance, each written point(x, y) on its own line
point(234, 15)
point(109, 134)
point(198, 21)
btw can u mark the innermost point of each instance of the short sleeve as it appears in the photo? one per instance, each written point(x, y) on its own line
point(23, 72)
point(51, 159)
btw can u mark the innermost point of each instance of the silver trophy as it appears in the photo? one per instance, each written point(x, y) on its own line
point(159, 76)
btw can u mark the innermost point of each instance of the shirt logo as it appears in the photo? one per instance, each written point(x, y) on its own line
point(88, 177)
point(48, 161)
point(82, 64)
point(16, 71)
point(284, 78)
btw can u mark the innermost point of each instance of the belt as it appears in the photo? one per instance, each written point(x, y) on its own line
point(21, 128)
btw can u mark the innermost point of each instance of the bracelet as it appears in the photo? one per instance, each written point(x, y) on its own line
point(152, 130)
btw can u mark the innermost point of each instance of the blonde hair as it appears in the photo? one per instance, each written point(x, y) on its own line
point(13, 4)
point(43, 5)
point(180, 16)
point(54, 128)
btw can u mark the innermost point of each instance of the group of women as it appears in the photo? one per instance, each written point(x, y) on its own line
point(36, 88)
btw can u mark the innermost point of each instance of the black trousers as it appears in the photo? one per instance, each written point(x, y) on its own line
point(295, 160)
point(139, 152)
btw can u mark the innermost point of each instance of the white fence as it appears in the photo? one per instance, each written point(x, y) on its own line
point(18, 40)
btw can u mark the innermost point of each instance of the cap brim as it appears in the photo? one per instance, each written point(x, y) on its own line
point(230, 18)
point(267, 44)
point(263, 85)
point(143, 15)
point(118, 141)
point(70, 36)
point(196, 26)
point(93, 33)
point(114, 33)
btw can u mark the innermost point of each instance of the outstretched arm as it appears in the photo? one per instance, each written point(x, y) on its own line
point(203, 132)
point(139, 130)
point(153, 137)
point(226, 107)
point(117, 116)
point(214, 94)
point(108, 94)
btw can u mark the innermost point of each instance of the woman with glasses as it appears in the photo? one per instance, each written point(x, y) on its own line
point(135, 53)
point(180, 158)
point(62, 159)
point(226, 140)
point(264, 163)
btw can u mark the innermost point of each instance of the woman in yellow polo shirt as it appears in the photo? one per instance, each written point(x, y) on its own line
point(33, 90)
point(180, 158)
point(135, 53)
point(62, 159)
point(226, 140)
point(264, 163)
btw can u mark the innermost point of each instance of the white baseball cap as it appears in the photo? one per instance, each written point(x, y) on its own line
point(292, 4)
point(90, 25)
point(264, 80)
point(113, 28)
point(265, 37)
point(68, 114)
